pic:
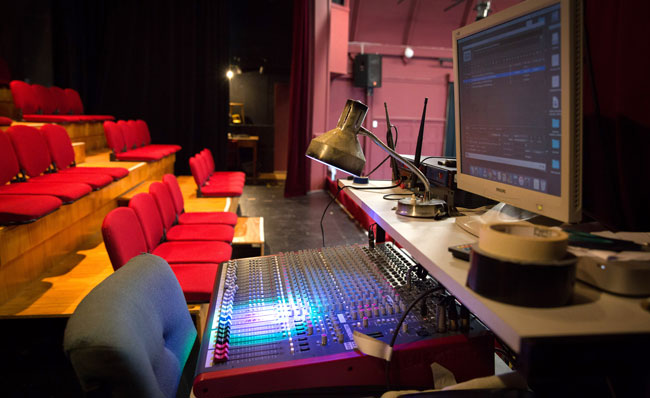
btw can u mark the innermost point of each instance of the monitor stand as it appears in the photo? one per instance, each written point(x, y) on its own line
point(501, 213)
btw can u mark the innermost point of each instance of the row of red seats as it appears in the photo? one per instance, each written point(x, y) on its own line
point(40, 164)
point(131, 141)
point(194, 244)
point(211, 183)
point(38, 103)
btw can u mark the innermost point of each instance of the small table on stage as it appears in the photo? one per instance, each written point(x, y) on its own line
point(245, 141)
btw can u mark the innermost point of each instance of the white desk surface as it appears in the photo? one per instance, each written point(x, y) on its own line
point(593, 312)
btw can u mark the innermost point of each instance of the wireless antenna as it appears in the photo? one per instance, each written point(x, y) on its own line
point(391, 145)
point(418, 147)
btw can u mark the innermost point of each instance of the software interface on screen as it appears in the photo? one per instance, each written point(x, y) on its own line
point(509, 91)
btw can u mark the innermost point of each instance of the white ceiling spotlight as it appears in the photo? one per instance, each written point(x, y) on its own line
point(408, 52)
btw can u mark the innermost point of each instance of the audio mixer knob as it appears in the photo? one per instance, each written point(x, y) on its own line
point(323, 339)
point(310, 329)
point(365, 322)
point(339, 337)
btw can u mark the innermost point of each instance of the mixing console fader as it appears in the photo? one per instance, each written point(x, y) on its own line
point(286, 322)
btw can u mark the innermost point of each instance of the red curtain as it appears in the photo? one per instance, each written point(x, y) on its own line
point(617, 133)
point(300, 100)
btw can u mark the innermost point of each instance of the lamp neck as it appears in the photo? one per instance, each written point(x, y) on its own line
point(407, 163)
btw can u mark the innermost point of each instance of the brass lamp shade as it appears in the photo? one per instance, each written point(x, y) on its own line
point(340, 147)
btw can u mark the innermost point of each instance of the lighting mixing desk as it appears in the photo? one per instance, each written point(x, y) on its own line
point(596, 326)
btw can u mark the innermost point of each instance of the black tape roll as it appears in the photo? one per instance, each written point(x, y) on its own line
point(522, 283)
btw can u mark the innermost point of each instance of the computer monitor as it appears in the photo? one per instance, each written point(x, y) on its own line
point(518, 107)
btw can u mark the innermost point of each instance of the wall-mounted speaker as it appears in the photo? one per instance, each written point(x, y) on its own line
point(367, 70)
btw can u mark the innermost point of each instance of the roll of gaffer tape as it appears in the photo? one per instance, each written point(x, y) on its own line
point(522, 264)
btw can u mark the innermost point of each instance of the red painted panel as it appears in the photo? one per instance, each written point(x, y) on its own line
point(339, 28)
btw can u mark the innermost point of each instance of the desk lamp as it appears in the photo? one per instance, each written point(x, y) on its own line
point(341, 149)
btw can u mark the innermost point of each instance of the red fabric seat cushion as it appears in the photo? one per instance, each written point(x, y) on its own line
point(201, 232)
point(196, 280)
point(67, 192)
point(222, 190)
point(139, 156)
point(168, 149)
point(96, 181)
point(194, 252)
point(21, 209)
point(114, 172)
point(37, 118)
point(217, 217)
point(5, 121)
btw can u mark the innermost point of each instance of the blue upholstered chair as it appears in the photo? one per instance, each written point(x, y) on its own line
point(132, 335)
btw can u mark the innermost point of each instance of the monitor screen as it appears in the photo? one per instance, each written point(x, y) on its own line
point(518, 116)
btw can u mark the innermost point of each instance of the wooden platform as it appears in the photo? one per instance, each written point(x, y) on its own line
point(249, 231)
point(30, 251)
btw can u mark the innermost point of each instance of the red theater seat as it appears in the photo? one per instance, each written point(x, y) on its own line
point(219, 176)
point(212, 217)
point(115, 141)
point(62, 153)
point(34, 158)
point(224, 186)
point(197, 232)
point(38, 103)
point(132, 138)
point(76, 107)
point(24, 97)
point(124, 239)
point(145, 208)
point(9, 168)
point(23, 209)
point(145, 137)
point(5, 121)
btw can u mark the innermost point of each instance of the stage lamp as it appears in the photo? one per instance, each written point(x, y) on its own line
point(341, 149)
point(230, 74)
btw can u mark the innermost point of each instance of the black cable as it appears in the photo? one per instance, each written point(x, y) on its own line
point(371, 236)
point(401, 321)
point(379, 165)
point(322, 231)
point(387, 157)
point(387, 196)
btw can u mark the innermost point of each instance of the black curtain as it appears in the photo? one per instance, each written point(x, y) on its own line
point(162, 61)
